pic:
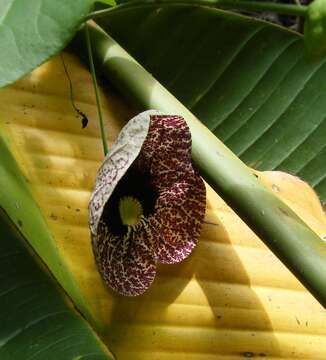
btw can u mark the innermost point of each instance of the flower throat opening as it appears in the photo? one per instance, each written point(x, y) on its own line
point(133, 197)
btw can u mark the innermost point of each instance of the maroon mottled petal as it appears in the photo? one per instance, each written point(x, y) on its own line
point(180, 208)
point(126, 264)
point(179, 214)
point(167, 150)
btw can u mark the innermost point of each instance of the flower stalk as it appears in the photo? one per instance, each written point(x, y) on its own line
point(97, 95)
point(291, 240)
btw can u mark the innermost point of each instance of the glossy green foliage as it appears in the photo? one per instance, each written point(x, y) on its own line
point(247, 80)
point(16, 199)
point(33, 31)
point(37, 321)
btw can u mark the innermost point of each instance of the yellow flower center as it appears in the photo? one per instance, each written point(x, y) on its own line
point(130, 210)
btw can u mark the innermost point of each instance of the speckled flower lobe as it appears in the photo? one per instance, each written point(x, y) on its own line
point(157, 146)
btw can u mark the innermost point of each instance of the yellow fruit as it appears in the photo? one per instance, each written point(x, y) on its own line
point(231, 299)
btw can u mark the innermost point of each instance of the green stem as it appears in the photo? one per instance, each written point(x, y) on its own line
point(286, 9)
point(301, 250)
point(97, 96)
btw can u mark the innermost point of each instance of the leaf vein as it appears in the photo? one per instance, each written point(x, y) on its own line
point(228, 64)
point(272, 123)
point(283, 50)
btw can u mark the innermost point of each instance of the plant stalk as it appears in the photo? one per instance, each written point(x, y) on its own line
point(286, 9)
point(292, 241)
point(97, 95)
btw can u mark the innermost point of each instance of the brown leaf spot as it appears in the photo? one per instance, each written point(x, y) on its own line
point(53, 217)
point(283, 211)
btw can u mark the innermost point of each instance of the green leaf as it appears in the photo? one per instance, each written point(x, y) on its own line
point(37, 320)
point(298, 246)
point(247, 80)
point(33, 31)
point(16, 199)
point(315, 29)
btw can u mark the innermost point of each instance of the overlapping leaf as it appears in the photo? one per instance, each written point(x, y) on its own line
point(33, 31)
point(226, 300)
point(60, 163)
point(247, 80)
point(37, 321)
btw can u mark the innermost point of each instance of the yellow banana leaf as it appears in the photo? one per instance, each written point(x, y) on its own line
point(231, 299)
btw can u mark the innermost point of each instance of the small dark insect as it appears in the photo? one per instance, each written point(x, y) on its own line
point(84, 118)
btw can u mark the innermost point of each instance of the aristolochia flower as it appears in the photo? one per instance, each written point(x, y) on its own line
point(148, 204)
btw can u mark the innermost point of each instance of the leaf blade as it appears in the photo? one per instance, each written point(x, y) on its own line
point(33, 31)
point(228, 289)
point(248, 81)
point(280, 228)
point(37, 320)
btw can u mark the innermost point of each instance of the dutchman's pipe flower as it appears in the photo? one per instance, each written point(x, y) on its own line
point(148, 203)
